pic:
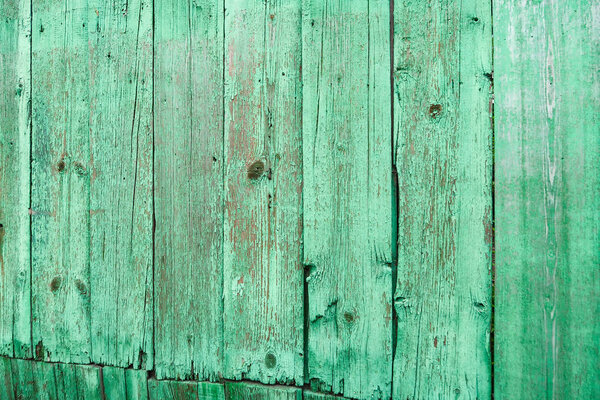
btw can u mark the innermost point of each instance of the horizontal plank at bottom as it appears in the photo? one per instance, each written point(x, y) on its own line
point(27, 379)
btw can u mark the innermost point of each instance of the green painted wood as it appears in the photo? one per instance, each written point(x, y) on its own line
point(15, 118)
point(92, 182)
point(114, 384)
point(6, 380)
point(136, 383)
point(60, 181)
point(26, 379)
point(443, 155)
point(120, 181)
point(126, 384)
point(78, 382)
point(188, 107)
point(546, 60)
point(308, 395)
point(347, 195)
point(263, 291)
point(251, 391)
point(182, 390)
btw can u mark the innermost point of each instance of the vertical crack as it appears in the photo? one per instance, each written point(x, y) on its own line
point(394, 199)
point(493, 193)
point(153, 194)
point(30, 106)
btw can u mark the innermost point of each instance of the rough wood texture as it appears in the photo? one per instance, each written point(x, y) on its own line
point(443, 155)
point(92, 181)
point(263, 292)
point(347, 195)
point(188, 105)
point(547, 199)
point(15, 118)
point(120, 180)
point(178, 390)
point(60, 181)
point(24, 379)
point(307, 395)
point(250, 391)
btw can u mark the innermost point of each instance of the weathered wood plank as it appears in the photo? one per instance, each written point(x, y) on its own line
point(26, 379)
point(251, 391)
point(443, 155)
point(15, 118)
point(182, 390)
point(60, 181)
point(136, 384)
point(263, 293)
point(113, 382)
point(347, 195)
point(120, 181)
point(308, 395)
point(78, 382)
point(188, 104)
point(547, 199)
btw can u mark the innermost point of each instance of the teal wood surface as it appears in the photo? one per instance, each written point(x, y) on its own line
point(92, 178)
point(547, 205)
point(347, 196)
point(15, 118)
point(120, 182)
point(181, 390)
point(60, 166)
point(252, 199)
point(188, 179)
point(263, 290)
point(443, 155)
point(250, 391)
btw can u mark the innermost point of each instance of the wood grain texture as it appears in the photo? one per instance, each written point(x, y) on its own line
point(25, 379)
point(188, 106)
point(263, 292)
point(547, 205)
point(124, 384)
point(308, 395)
point(347, 195)
point(182, 390)
point(120, 181)
point(443, 155)
point(60, 181)
point(15, 135)
point(251, 391)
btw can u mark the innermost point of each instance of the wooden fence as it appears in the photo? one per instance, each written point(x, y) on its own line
point(253, 199)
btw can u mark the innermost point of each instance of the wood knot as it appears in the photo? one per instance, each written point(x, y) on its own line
point(256, 169)
point(270, 360)
point(81, 287)
point(435, 110)
point(349, 317)
point(60, 166)
point(79, 168)
point(55, 283)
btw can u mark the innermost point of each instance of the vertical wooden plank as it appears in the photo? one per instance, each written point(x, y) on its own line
point(443, 132)
point(120, 179)
point(347, 195)
point(6, 380)
point(181, 390)
point(113, 383)
point(60, 181)
point(547, 199)
point(308, 395)
point(15, 118)
point(263, 293)
point(188, 106)
point(250, 391)
point(24, 384)
point(136, 382)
